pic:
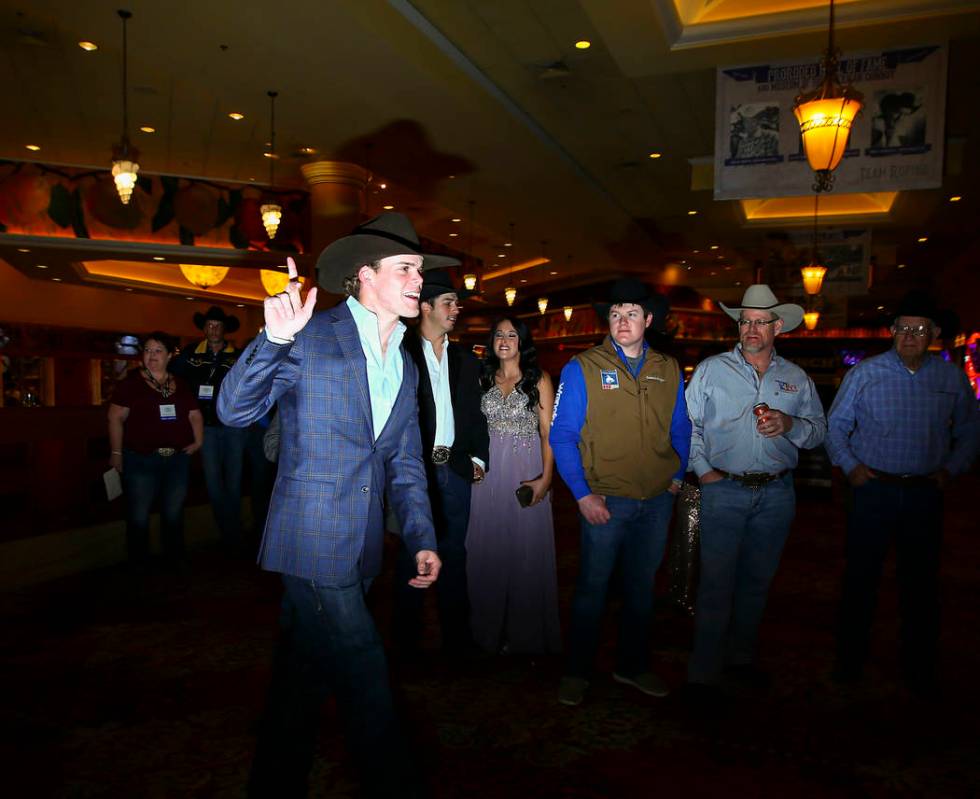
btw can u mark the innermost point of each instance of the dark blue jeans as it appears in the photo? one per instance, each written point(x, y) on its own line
point(911, 516)
point(635, 536)
point(449, 495)
point(328, 645)
point(144, 478)
point(743, 531)
point(222, 456)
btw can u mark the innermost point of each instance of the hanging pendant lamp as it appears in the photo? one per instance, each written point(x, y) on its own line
point(125, 157)
point(813, 273)
point(510, 293)
point(469, 279)
point(825, 116)
point(271, 211)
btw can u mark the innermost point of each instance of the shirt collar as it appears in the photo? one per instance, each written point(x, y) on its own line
point(774, 358)
point(367, 326)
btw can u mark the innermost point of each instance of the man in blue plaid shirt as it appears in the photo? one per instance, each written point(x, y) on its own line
point(902, 425)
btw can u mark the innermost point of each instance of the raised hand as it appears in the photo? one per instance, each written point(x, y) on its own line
point(286, 313)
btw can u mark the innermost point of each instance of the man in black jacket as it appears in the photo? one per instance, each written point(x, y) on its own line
point(456, 447)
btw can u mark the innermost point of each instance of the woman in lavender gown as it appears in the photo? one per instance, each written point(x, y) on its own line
point(510, 549)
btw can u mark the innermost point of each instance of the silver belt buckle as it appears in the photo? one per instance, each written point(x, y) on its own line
point(440, 455)
point(166, 452)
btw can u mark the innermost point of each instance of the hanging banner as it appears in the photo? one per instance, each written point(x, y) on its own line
point(846, 254)
point(896, 141)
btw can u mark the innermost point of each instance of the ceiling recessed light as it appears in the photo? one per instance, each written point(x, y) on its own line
point(955, 198)
point(692, 213)
point(236, 116)
point(41, 266)
point(452, 177)
point(690, 268)
point(714, 246)
point(158, 258)
point(382, 185)
point(56, 279)
point(128, 289)
point(901, 266)
point(738, 282)
point(251, 180)
point(720, 257)
point(456, 219)
point(453, 235)
point(501, 255)
point(189, 298)
point(32, 147)
point(523, 280)
point(713, 274)
point(552, 273)
point(22, 249)
point(922, 239)
point(239, 304)
point(88, 47)
point(273, 156)
point(655, 155)
point(388, 207)
point(881, 307)
point(308, 150)
point(583, 44)
point(697, 251)
point(148, 129)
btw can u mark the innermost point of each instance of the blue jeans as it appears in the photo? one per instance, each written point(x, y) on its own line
point(743, 531)
point(222, 456)
point(911, 515)
point(328, 645)
point(144, 478)
point(449, 495)
point(635, 535)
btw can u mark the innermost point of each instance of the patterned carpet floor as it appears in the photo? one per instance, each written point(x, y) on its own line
point(125, 686)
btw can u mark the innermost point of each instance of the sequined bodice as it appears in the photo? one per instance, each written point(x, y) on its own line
point(509, 415)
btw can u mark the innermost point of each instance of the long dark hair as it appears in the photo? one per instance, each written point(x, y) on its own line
point(530, 371)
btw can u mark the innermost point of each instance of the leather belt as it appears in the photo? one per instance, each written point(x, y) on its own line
point(903, 479)
point(752, 479)
point(165, 452)
point(440, 455)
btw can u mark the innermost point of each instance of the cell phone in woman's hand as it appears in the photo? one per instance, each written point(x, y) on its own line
point(525, 495)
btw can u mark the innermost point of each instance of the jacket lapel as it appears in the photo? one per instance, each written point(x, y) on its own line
point(345, 331)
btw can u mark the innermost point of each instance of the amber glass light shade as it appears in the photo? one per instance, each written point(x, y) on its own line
point(810, 319)
point(271, 217)
point(813, 278)
point(274, 281)
point(568, 311)
point(204, 277)
point(510, 294)
point(469, 281)
point(124, 176)
point(543, 304)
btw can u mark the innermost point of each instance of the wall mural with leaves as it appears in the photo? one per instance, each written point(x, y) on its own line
point(38, 200)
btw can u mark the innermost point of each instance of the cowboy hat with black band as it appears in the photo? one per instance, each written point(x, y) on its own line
point(436, 282)
point(382, 237)
point(215, 314)
point(630, 291)
point(759, 297)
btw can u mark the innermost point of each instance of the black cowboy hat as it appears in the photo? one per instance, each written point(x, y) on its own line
point(385, 235)
point(215, 314)
point(436, 282)
point(631, 290)
point(918, 303)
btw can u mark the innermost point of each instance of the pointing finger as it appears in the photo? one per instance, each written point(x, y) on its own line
point(291, 268)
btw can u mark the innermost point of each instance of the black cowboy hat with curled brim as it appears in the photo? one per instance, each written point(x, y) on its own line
point(759, 297)
point(918, 303)
point(215, 314)
point(629, 290)
point(436, 282)
point(382, 237)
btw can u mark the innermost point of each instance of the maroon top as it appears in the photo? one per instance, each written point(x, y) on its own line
point(144, 430)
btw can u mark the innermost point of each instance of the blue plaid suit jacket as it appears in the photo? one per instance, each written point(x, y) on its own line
point(325, 520)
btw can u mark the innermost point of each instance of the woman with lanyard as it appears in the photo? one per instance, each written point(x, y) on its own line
point(154, 426)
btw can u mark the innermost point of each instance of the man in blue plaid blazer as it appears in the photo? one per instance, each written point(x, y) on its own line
point(348, 414)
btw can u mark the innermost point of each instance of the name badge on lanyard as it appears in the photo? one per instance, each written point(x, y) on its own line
point(205, 391)
point(168, 413)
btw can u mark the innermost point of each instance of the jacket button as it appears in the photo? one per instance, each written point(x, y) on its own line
point(364, 489)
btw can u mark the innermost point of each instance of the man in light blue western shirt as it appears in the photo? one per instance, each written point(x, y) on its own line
point(744, 456)
point(902, 425)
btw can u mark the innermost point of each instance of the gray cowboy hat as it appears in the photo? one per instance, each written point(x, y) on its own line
point(759, 297)
point(633, 291)
point(436, 282)
point(385, 235)
point(215, 314)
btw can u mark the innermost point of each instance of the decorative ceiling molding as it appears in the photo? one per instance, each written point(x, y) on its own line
point(839, 208)
point(683, 32)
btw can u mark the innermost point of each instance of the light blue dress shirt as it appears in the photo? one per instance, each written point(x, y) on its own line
point(384, 372)
point(438, 369)
point(720, 397)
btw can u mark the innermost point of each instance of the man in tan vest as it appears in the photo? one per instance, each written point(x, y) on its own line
point(621, 436)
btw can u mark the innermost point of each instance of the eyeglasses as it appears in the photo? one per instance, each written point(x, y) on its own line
point(756, 322)
point(919, 331)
